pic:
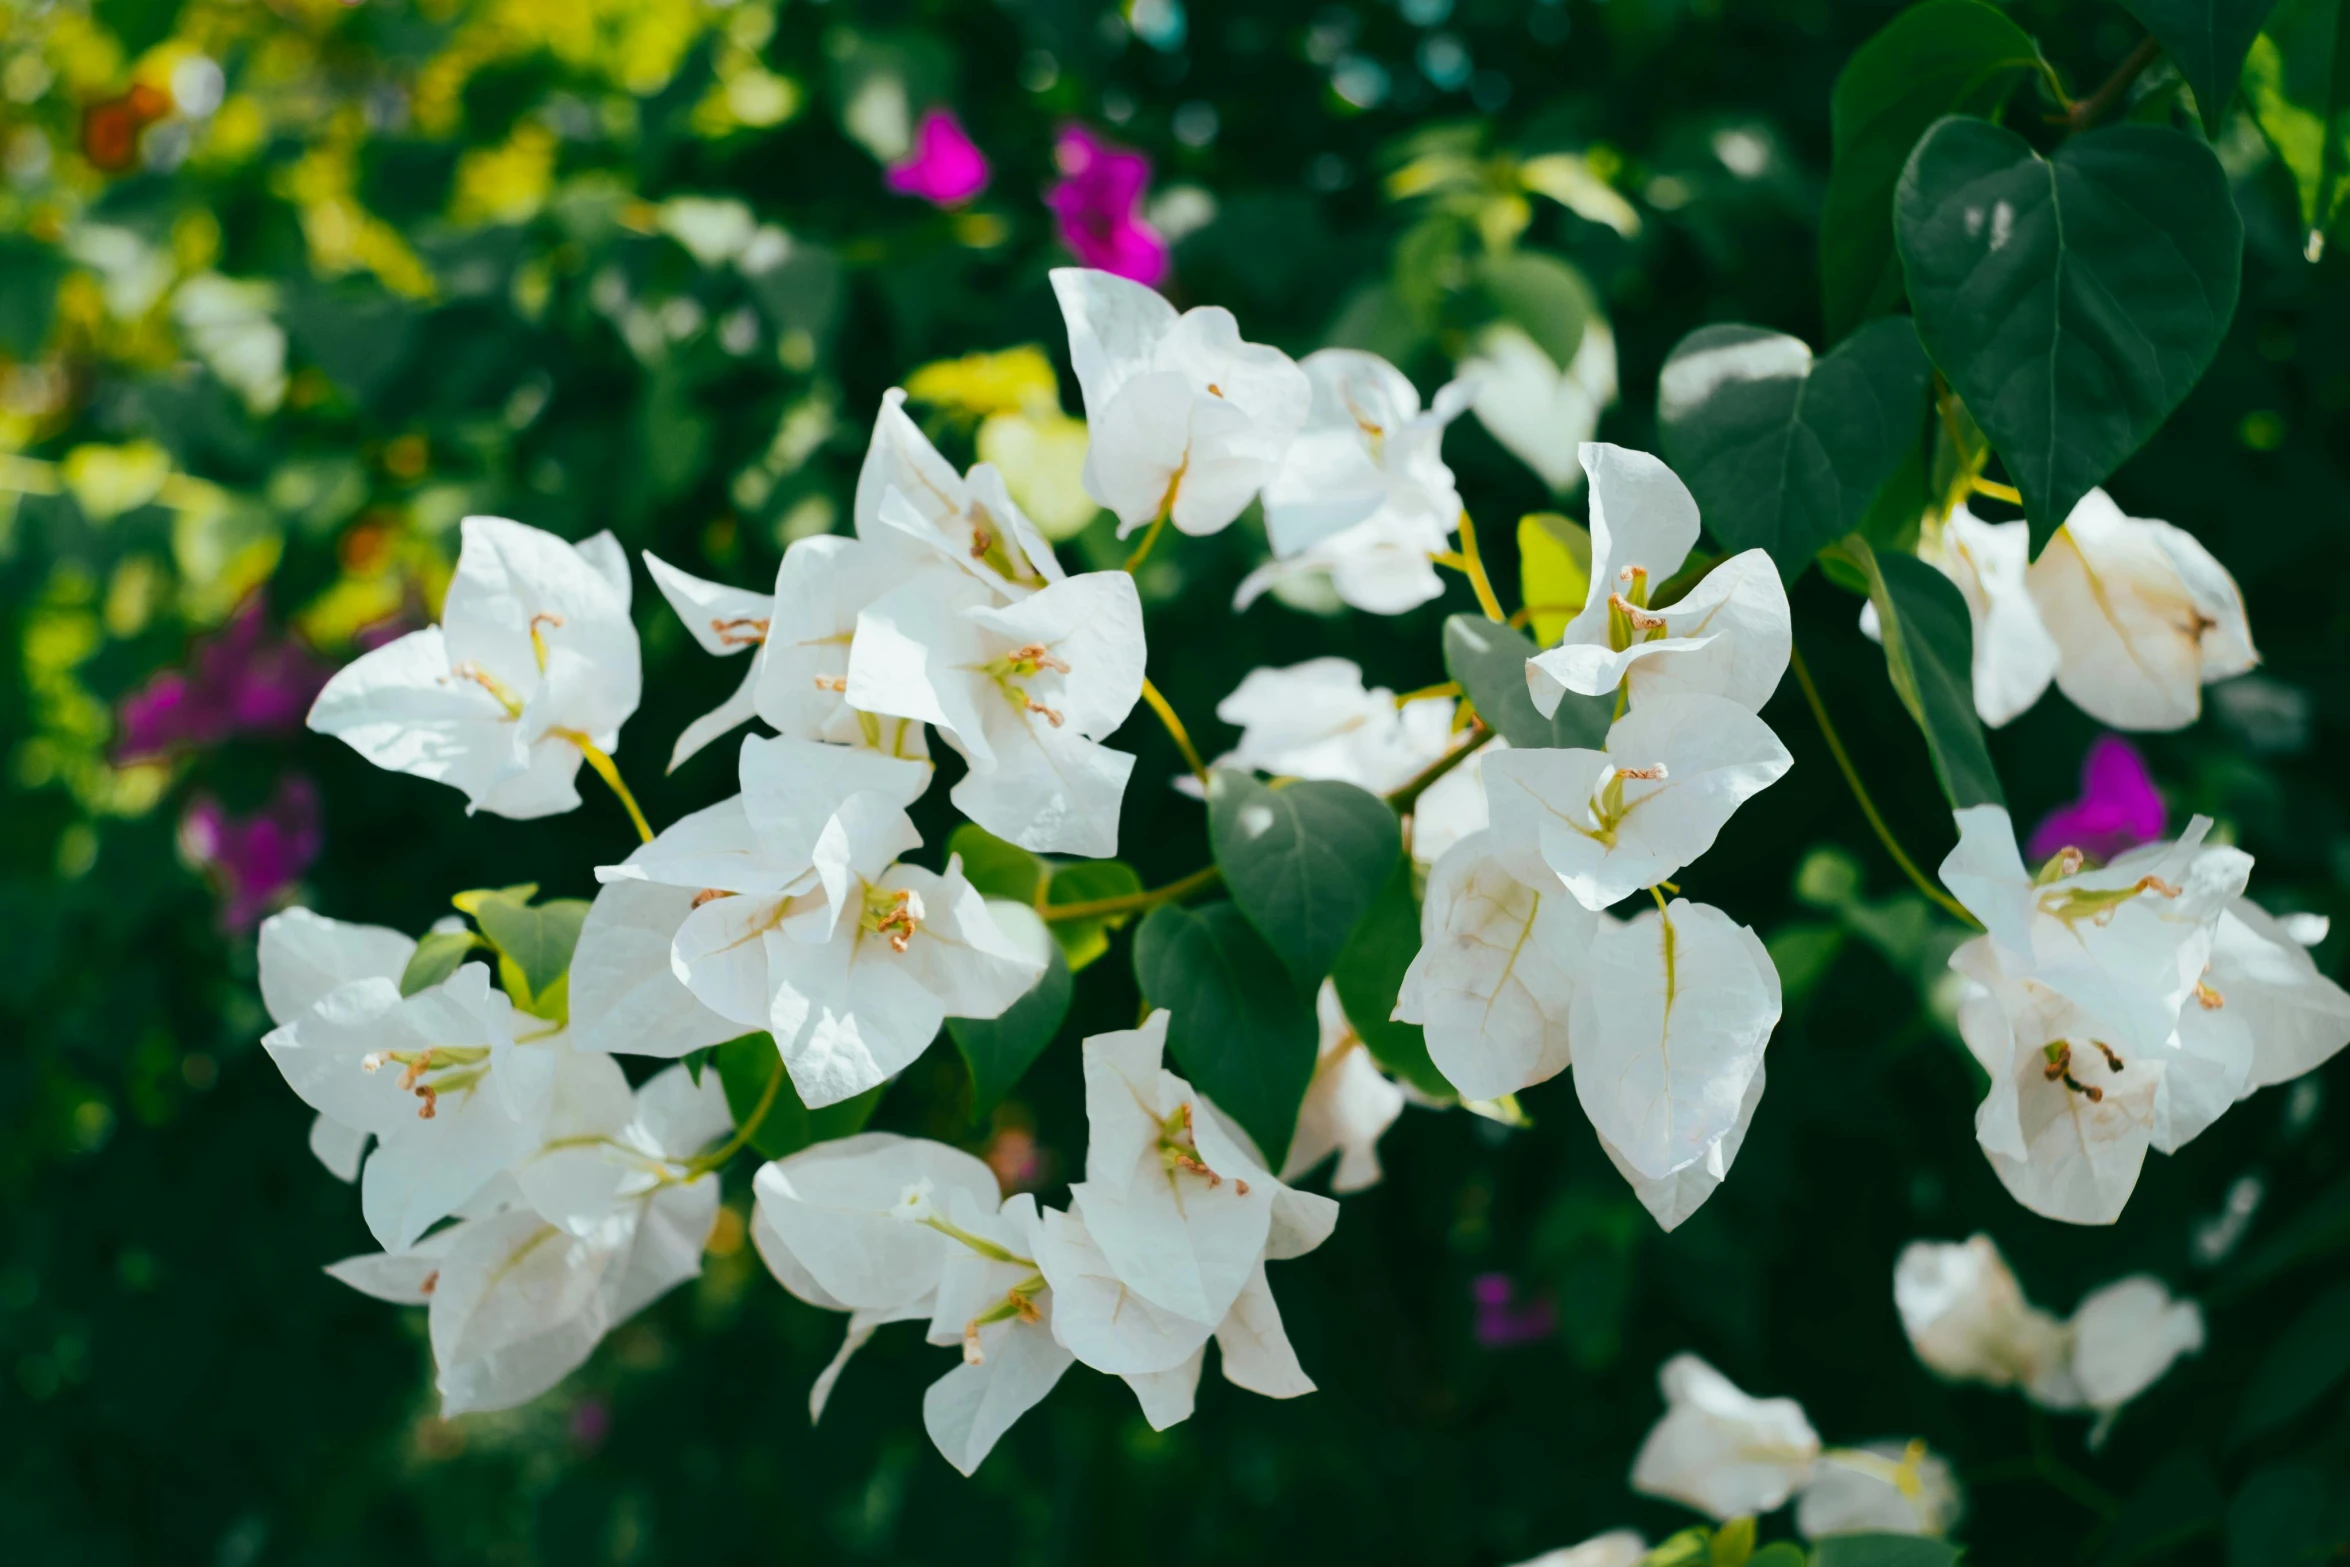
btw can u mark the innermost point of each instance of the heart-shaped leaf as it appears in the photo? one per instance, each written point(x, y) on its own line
point(1943, 57)
point(2072, 300)
point(1489, 660)
point(1370, 971)
point(1241, 1029)
point(534, 942)
point(1784, 452)
point(1000, 1049)
point(1303, 862)
point(2207, 40)
point(436, 957)
point(1930, 656)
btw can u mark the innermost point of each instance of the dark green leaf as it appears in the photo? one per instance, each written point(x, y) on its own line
point(1369, 972)
point(2071, 300)
point(998, 869)
point(436, 958)
point(29, 274)
point(2318, 1231)
point(1489, 661)
point(358, 336)
point(1785, 452)
point(1087, 881)
point(1943, 57)
point(1241, 1030)
point(1303, 862)
point(2297, 82)
point(999, 1049)
point(1779, 1553)
point(1929, 655)
point(2177, 1503)
point(746, 1068)
point(534, 943)
point(2302, 1366)
point(1883, 1550)
point(1543, 296)
point(2207, 40)
point(2289, 1515)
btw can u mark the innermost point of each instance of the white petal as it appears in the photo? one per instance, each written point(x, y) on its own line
point(1721, 1451)
point(1671, 1199)
point(625, 993)
point(305, 955)
point(1255, 1349)
point(1101, 1319)
point(724, 620)
point(968, 1410)
point(1166, 1396)
point(831, 1209)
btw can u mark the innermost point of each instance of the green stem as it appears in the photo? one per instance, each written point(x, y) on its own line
point(609, 771)
point(2088, 111)
point(1132, 902)
point(1150, 537)
point(1474, 565)
point(1408, 796)
point(1175, 731)
point(745, 1132)
point(1868, 807)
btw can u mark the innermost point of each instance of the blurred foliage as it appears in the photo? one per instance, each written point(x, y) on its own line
point(288, 288)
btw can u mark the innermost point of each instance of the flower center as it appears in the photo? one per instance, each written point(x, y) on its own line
point(1179, 1150)
point(1011, 672)
point(895, 912)
point(2059, 1069)
point(2098, 906)
point(1629, 618)
point(742, 631)
point(1608, 805)
point(433, 1071)
point(507, 698)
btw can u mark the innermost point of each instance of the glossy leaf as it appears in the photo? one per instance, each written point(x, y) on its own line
point(534, 943)
point(1303, 862)
point(2207, 40)
point(1943, 57)
point(2071, 300)
point(1369, 972)
point(1929, 655)
point(2297, 83)
point(1087, 881)
point(436, 958)
point(2303, 1364)
point(998, 869)
point(1785, 452)
point(1543, 296)
point(999, 1050)
point(1241, 1030)
point(747, 1066)
point(1489, 661)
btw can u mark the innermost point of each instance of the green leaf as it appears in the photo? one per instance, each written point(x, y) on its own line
point(1086, 881)
point(1303, 862)
point(29, 274)
point(1489, 661)
point(2289, 1515)
point(2207, 40)
point(745, 1068)
point(1785, 452)
point(1369, 972)
point(998, 869)
point(1779, 1553)
point(999, 1049)
point(1554, 571)
point(1241, 1030)
point(1943, 57)
point(1732, 1543)
point(1929, 655)
point(1883, 1550)
point(2301, 1366)
point(436, 957)
point(2071, 300)
point(2297, 82)
point(534, 943)
point(2177, 1502)
point(1543, 296)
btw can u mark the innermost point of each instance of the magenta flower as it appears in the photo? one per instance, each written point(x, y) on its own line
point(2119, 807)
point(945, 168)
point(1503, 1320)
point(1098, 204)
point(254, 861)
point(237, 681)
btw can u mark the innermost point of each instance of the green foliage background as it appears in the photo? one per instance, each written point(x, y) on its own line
point(178, 1380)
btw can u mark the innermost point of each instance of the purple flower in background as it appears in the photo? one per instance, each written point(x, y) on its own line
point(239, 680)
point(2119, 807)
point(945, 168)
point(1503, 1320)
point(591, 1422)
point(1098, 204)
point(254, 861)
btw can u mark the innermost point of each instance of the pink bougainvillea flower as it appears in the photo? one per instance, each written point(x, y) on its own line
point(1098, 204)
point(240, 680)
point(946, 168)
point(1503, 1320)
point(2119, 807)
point(253, 861)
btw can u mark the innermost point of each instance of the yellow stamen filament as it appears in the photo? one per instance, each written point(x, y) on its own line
point(1654, 773)
point(2207, 998)
point(1641, 619)
point(538, 642)
point(832, 683)
point(1037, 656)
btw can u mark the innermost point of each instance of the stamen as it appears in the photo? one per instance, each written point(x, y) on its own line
point(1037, 656)
point(709, 895)
point(430, 1095)
point(538, 643)
point(1052, 715)
point(2207, 998)
point(373, 1061)
point(1641, 619)
point(1214, 390)
point(469, 670)
point(1653, 774)
point(2112, 1061)
point(972, 1354)
point(1240, 1186)
point(981, 541)
point(732, 633)
point(432, 1281)
point(416, 1069)
point(832, 683)
point(2069, 860)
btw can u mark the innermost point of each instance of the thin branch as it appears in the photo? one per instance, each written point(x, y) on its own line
point(1131, 902)
point(1406, 797)
point(750, 1127)
point(2088, 111)
point(1474, 565)
point(1176, 731)
point(609, 771)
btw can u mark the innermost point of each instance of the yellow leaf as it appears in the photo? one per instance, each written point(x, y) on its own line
point(1554, 571)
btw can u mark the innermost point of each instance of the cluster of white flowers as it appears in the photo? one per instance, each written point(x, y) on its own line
point(2122, 1007)
point(1969, 1321)
point(1163, 1247)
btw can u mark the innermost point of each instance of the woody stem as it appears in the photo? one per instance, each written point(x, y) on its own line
point(609, 771)
point(1868, 807)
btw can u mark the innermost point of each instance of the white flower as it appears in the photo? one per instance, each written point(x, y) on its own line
point(2262, 985)
point(1496, 974)
point(2142, 615)
point(802, 924)
point(1671, 1199)
point(535, 656)
point(1968, 1320)
point(725, 621)
point(1348, 1106)
point(1729, 636)
point(1186, 420)
point(2015, 657)
point(304, 956)
point(606, 1145)
point(518, 1302)
point(1721, 1451)
point(1363, 493)
point(1024, 691)
point(1541, 412)
point(1671, 1015)
point(2126, 942)
point(821, 588)
point(942, 517)
point(1882, 1488)
point(993, 1303)
point(1618, 1548)
point(1317, 720)
point(2124, 1337)
point(1608, 823)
